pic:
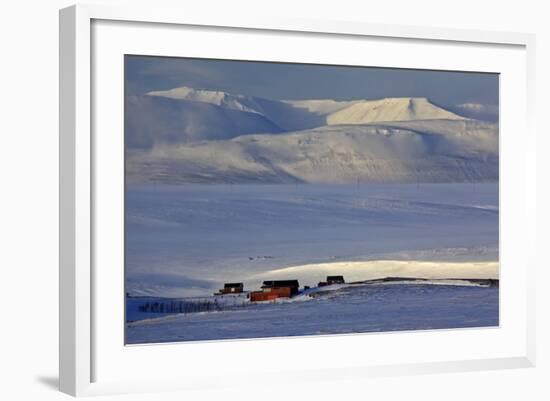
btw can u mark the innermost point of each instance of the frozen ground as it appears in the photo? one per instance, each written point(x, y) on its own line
point(187, 240)
point(347, 309)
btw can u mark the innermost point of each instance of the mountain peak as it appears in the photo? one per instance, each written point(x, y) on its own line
point(217, 98)
point(390, 109)
point(188, 93)
point(400, 99)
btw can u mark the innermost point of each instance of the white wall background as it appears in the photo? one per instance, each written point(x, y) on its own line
point(29, 185)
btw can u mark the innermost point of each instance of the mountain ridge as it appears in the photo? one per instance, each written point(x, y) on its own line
point(184, 114)
point(187, 135)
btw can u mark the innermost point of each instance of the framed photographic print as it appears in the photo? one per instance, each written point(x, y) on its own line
point(285, 212)
point(235, 190)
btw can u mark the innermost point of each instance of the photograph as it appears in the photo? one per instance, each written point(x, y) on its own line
point(274, 199)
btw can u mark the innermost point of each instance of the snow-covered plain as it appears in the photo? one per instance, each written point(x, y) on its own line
point(188, 240)
point(353, 309)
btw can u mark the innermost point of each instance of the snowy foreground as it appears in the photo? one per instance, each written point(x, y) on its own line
point(334, 310)
point(184, 242)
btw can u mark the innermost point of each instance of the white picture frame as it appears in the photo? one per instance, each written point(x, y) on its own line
point(84, 326)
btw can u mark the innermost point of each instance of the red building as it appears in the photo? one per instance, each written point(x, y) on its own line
point(274, 289)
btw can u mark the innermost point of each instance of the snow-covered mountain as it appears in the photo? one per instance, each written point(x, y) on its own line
point(334, 112)
point(218, 98)
point(154, 120)
point(415, 151)
point(391, 109)
point(380, 110)
point(183, 115)
point(188, 135)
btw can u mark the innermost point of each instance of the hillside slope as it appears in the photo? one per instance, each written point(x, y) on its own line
point(414, 151)
point(152, 120)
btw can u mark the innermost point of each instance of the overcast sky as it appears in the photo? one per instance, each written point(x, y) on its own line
point(308, 81)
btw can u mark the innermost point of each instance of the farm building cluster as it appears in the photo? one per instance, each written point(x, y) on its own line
point(273, 289)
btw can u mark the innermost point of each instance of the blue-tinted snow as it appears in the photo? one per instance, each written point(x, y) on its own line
point(188, 240)
point(356, 309)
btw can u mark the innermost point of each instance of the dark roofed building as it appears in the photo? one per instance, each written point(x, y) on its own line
point(232, 288)
point(335, 280)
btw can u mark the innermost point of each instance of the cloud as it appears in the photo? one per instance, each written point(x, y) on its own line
point(478, 111)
